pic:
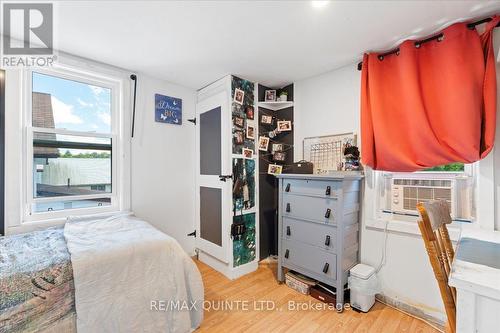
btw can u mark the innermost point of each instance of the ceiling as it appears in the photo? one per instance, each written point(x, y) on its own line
point(193, 43)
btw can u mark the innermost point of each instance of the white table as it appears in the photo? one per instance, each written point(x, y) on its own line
point(476, 276)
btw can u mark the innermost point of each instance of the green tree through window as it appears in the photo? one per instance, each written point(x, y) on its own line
point(453, 167)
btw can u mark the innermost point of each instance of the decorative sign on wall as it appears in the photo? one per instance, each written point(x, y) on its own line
point(168, 109)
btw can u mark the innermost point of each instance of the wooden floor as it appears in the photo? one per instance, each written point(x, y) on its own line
point(261, 285)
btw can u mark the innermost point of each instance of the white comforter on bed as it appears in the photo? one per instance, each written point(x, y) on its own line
point(126, 274)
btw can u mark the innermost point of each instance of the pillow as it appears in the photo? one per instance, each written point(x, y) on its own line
point(93, 217)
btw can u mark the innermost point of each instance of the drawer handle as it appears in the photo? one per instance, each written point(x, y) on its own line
point(327, 214)
point(328, 190)
point(288, 233)
point(287, 189)
point(287, 253)
point(327, 240)
point(288, 207)
point(325, 268)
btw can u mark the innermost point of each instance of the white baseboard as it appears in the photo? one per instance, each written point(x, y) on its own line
point(412, 310)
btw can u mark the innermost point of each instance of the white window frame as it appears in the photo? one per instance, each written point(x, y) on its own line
point(481, 190)
point(95, 79)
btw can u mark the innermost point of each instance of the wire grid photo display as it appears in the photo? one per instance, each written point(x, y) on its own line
point(327, 152)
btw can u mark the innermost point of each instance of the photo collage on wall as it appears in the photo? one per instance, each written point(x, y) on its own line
point(244, 130)
point(244, 249)
point(270, 145)
point(243, 113)
point(243, 184)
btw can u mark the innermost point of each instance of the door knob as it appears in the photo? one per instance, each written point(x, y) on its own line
point(223, 178)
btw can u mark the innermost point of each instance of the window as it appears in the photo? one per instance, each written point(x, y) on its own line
point(71, 138)
point(399, 193)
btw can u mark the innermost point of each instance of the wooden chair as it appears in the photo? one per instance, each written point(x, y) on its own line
point(435, 216)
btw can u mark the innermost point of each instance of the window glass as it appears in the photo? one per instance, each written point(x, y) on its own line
point(66, 104)
point(70, 165)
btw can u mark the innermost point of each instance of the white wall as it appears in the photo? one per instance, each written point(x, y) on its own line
point(329, 104)
point(163, 163)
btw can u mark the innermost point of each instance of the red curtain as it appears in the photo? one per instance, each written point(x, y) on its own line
point(431, 105)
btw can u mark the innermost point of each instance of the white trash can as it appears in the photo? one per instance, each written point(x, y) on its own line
point(363, 284)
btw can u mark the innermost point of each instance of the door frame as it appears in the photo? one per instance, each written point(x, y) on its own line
point(222, 252)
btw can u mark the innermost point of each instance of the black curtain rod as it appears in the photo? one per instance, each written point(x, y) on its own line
point(439, 38)
point(134, 78)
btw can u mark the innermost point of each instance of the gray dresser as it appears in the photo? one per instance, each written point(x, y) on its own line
point(318, 227)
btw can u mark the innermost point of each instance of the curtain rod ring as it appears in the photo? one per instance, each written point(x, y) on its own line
point(398, 52)
point(380, 57)
point(417, 45)
point(440, 38)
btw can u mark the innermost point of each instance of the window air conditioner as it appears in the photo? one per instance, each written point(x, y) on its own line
point(406, 193)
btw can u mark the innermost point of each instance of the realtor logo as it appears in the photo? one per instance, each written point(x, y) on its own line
point(32, 23)
point(28, 35)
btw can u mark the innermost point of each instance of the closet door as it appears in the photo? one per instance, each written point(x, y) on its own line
point(214, 178)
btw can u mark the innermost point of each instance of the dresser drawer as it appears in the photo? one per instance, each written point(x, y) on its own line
point(309, 208)
point(321, 188)
point(319, 262)
point(320, 235)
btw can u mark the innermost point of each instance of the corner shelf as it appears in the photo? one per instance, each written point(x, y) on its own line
point(275, 106)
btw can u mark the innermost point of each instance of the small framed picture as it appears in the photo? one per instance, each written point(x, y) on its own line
point(284, 125)
point(239, 95)
point(238, 137)
point(264, 119)
point(270, 96)
point(249, 112)
point(263, 143)
point(238, 121)
point(274, 169)
point(279, 156)
point(277, 147)
point(250, 132)
point(247, 153)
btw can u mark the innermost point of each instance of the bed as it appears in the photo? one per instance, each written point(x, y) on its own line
point(97, 274)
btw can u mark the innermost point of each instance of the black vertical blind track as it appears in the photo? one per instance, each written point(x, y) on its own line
point(134, 78)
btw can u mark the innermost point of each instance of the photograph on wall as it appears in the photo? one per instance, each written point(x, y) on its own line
point(250, 131)
point(249, 111)
point(270, 96)
point(274, 169)
point(247, 153)
point(238, 137)
point(265, 119)
point(263, 143)
point(168, 109)
point(277, 147)
point(279, 156)
point(244, 248)
point(239, 95)
point(284, 125)
point(238, 121)
point(243, 184)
